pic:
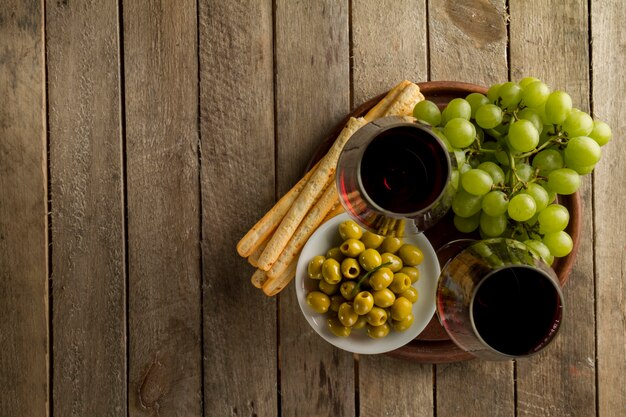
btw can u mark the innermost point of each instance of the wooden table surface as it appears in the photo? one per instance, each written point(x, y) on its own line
point(140, 139)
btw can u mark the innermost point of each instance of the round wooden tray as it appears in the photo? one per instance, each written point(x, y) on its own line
point(433, 345)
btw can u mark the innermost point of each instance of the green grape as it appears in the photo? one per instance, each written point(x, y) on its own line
point(476, 100)
point(540, 249)
point(428, 112)
point(495, 203)
point(493, 92)
point(532, 116)
point(525, 172)
point(523, 136)
point(502, 157)
point(459, 107)
point(524, 82)
point(558, 107)
point(438, 131)
point(582, 151)
point(521, 207)
point(493, 226)
point(539, 194)
point(563, 181)
point(476, 181)
point(511, 94)
point(491, 168)
point(578, 123)
point(488, 116)
point(466, 224)
point(547, 160)
point(601, 133)
point(535, 94)
point(553, 218)
point(559, 243)
point(582, 170)
point(465, 204)
point(460, 132)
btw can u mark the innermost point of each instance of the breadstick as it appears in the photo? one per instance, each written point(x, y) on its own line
point(268, 223)
point(335, 211)
point(258, 278)
point(309, 194)
point(405, 101)
point(383, 105)
point(312, 220)
point(253, 259)
point(273, 287)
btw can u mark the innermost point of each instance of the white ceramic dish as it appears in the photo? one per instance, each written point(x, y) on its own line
point(327, 236)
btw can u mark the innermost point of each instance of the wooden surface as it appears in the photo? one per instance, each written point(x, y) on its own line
point(139, 140)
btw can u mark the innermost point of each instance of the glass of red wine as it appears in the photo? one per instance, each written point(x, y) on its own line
point(498, 300)
point(394, 177)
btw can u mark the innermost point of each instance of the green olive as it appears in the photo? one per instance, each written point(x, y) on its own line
point(384, 298)
point(376, 316)
point(381, 278)
point(335, 253)
point(350, 230)
point(411, 294)
point(412, 272)
point(370, 259)
point(400, 283)
point(411, 255)
point(372, 240)
point(331, 271)
point(335, 301)
point(361, 322)
point(346, 315)
point(337, 328)
point(377, 332)
point(318, 301)
point(401, 308)
point(396, 262)
point(315, 267)
point(346, 289)
point(352, 248)
point(350, 268)
point(404, 324)
point(363, 303)
point(328, 289)
point(391, 244)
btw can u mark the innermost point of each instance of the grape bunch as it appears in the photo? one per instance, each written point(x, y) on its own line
point(517, 148)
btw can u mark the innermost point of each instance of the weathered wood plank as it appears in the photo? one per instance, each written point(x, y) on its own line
point(237, 134)
point(161, 96)
point(468, 43)
point(89, 320)
point(312, 95)
point(389, 44)
point(24, 342)
point(608, 41)
point(557, 382)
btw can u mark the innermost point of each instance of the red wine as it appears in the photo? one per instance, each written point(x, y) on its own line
point(516, 310)
point(404, 170)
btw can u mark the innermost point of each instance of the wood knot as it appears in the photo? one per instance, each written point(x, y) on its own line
point(478, 19)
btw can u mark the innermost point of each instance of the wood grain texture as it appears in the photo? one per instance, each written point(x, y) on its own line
point(389, 44)
point(161, 91)
point(312, 95)
point(468, 43)
point(89, 308)
point(609, 58)
point(24, 342)
point(569, 361)
point(468, 40)
point(237, 133)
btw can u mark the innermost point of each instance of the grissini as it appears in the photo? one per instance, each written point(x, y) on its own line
point(405, 102)
point(311, 221)
point(382, 107)
point(262, 230)
point(253, 259)
point(307, 197)
point(335, 211)
point(258, 278)
point(273, 287)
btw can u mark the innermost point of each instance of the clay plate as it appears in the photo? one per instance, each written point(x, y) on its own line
point(433, 345)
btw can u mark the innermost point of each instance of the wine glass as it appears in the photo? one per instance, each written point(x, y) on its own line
point(497, 299)
point(394, 177)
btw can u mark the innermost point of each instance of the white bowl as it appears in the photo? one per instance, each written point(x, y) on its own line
point(326, 237)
